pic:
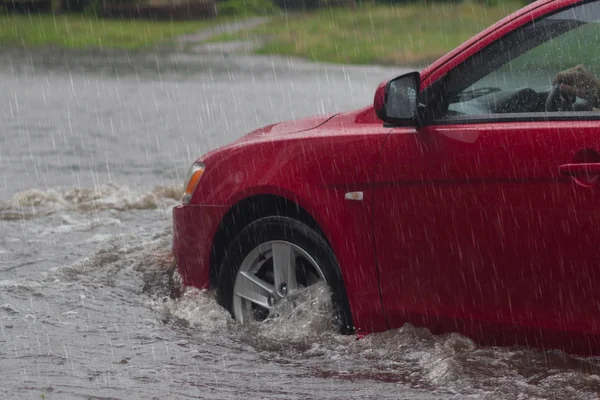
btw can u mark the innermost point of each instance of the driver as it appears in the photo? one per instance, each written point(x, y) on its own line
point(580, 82)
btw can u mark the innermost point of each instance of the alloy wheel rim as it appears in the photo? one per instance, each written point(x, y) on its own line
point(268, 278)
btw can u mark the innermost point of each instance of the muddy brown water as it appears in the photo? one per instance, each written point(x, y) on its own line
point(93, 148)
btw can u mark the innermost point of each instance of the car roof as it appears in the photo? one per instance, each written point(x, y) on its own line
point(534, 9)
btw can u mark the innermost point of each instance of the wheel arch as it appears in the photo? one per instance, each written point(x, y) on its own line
point(247, 211)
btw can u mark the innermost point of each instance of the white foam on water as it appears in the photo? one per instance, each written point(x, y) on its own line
point(198, 308)
point(8, 285)
point(304, 314)
point(10, 309)
point(34, 202)
point(310, 315)
point(140, 261)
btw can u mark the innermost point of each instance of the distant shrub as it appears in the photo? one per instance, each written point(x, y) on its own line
point(246, 7)
point(488, 2)
point(298, 5)
point(74, 5)
point(163, 10)
point(123, 2)
point(399, 2)
point(294, 5)
point(93, 8)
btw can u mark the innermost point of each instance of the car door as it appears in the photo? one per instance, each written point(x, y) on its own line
point(487, 217)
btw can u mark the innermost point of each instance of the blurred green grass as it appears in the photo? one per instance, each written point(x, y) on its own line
point(411, 34)
point(79, 31)
point(564, 52)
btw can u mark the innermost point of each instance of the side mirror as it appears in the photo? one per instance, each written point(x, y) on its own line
point(396, 101)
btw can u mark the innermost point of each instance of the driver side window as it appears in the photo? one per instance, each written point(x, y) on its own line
point(532, 69)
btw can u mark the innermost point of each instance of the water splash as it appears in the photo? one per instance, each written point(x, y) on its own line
point(34, 203)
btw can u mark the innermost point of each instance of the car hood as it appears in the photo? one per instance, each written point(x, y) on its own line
point(287, 127)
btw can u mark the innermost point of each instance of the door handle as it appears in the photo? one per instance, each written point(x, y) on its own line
point(580, 169)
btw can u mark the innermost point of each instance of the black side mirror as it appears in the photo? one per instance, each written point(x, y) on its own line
point(397, 101)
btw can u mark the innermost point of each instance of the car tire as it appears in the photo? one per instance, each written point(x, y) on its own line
point(279, 235)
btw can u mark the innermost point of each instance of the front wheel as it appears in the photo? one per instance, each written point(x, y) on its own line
point(270, 263)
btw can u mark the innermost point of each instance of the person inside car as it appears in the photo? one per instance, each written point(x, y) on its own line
point(579, 81)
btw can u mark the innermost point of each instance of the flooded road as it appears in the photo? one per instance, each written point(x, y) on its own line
point(93, 150)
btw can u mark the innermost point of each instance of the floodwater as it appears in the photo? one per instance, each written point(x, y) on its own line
point(93, 148)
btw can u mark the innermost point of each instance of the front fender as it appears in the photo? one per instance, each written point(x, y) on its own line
point(315, 170)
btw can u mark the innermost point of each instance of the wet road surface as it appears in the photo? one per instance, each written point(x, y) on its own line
point(93, 149)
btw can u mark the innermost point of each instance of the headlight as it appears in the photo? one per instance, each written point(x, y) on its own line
point(193, 177)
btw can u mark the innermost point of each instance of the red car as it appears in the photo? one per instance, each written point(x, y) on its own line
point(465, 199)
